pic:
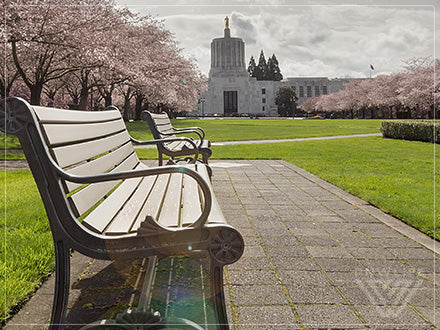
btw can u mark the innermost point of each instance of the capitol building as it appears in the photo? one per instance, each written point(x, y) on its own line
point(233, 92)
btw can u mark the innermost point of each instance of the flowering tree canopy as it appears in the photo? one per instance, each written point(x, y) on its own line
point(414, 91)
point(89, 45)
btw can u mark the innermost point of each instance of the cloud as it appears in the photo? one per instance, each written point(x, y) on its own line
point(309, 39)
point(244, 27)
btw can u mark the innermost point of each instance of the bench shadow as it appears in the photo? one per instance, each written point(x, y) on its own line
point(101, 295)
point(181, 289)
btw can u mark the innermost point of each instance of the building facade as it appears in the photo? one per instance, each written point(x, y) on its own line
point(232, 92)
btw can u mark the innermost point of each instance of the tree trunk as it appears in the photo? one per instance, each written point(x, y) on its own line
point(108, 99)
point(36, 94)
point(84, 95)
point(138, 108)
point(128, 94)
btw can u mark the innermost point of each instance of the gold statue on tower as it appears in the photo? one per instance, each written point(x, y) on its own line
point(226, 22)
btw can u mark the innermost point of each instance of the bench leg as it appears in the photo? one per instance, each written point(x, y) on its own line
point(205, 158)
point(62, 285)
point(160, 157)
point(218, 295)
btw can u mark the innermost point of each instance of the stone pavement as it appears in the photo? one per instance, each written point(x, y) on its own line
point(316, 257)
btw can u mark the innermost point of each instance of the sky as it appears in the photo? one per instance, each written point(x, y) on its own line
point(310, 38)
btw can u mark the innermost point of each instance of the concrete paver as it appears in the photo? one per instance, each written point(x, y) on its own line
point(316, 257)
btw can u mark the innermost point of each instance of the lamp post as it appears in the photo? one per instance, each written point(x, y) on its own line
point(202, 105)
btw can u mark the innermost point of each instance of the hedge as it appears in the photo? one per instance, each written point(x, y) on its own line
point(426, 131)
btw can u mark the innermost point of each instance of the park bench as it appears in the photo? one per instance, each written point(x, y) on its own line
point(104, 203)
point(162, 130)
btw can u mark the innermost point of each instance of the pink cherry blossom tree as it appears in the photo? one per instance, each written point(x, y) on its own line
point(50, 39)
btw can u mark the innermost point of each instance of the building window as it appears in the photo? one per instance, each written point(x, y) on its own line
point(264, 100)
point(263, 91)
point(309, 91)
point(264, 108)
point(301, 91)
point(317, 92)
point(324, 90)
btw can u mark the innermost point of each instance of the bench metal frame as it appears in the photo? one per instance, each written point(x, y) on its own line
point(219, 241)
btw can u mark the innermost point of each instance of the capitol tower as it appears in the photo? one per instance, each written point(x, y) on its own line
point(232, 92)
point(229, 82)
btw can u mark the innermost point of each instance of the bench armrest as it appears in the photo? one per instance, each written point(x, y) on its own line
point(146, 172)
point(197, 130)
point(161, 141)
point(182, 131)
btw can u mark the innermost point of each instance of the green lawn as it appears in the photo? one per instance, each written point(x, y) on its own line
point(397, 176)
point(266, 129)
point(28, 251)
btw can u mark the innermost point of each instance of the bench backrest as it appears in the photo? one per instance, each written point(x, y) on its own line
point(87, 143)
point(160, 124)
point(81, 143)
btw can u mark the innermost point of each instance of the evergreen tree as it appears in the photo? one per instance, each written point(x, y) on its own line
point(286, 101)
point(261, 69)
point(251, 67)
point(274, 72)
point(270, 69)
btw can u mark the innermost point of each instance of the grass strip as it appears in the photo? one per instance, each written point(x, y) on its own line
point(27, 248)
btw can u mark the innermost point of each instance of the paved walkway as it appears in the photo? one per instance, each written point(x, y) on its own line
point(316, 257)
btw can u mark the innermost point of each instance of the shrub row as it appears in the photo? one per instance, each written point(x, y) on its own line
point(427, 131)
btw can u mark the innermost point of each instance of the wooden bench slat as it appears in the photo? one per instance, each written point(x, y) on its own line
point(154, 202)
point(100, 217)
point(100, 165)
point(70, 133)
point(216, 214)
point(191, 208)
point(176, 145)
point(90, 195)
point(166, 132)
point(125, 220)
point(73, 154)
point(160, 117)
point(170, 212)
point(163, 120)
point(51, 115)
point(164, 126)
